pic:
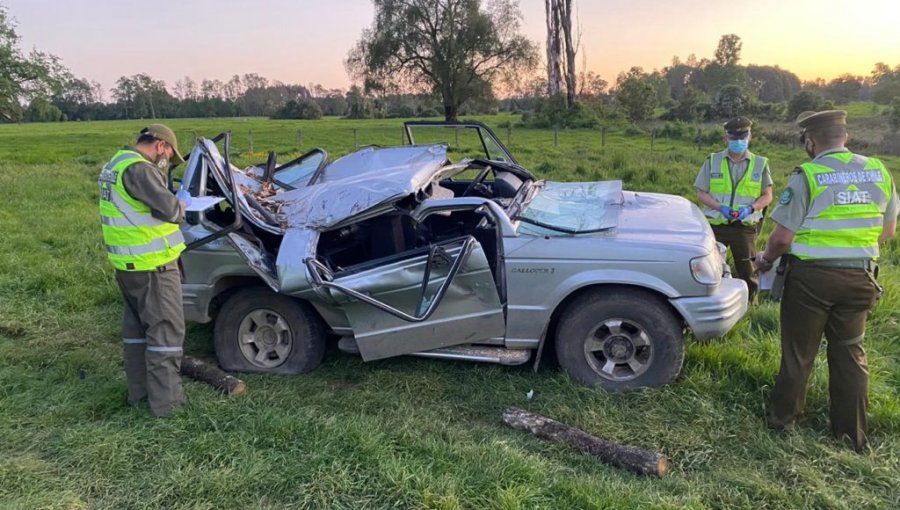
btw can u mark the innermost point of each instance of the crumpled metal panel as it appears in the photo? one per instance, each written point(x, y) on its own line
point(360, 181)
point(297, 245)
point(350, 185)
point(470, 310)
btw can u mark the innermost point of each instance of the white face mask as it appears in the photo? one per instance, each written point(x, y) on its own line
point(162, 162)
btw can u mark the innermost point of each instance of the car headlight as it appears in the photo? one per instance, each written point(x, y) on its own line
point(707, 269)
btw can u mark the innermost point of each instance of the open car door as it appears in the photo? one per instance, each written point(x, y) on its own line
point(429, 297)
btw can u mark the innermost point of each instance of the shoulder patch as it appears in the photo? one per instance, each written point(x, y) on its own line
point(786, 196)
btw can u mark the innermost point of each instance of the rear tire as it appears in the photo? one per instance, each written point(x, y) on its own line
point(620, 339)
point(258, 330)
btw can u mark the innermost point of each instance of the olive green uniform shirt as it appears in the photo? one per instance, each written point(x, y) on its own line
point(147, 183)
point(794, 201)
point(737, 169)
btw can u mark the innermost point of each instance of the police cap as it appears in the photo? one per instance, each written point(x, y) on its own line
point(164, 133)
point(811, 121)
point(738, 125)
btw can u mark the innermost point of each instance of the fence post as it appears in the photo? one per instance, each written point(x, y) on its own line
point(456, 136)
point(509, 135)
point(699, 139)
point(652, 138)
point(300, 139)
point(402, 135)
point(556, 136)
point(355, 140)
point(603, 137)
point(250, 136)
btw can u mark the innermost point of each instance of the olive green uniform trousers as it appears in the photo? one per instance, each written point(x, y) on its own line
point(741, 239)
point(153, 335)
point(834, 301)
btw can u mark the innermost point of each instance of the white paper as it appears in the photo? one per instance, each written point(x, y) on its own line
point(766, 279)
point(203, 203)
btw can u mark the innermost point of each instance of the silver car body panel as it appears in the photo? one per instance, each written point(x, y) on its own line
point(643, 240)
point(469, 311)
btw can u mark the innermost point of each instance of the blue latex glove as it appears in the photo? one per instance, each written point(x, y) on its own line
point(184, 196)
point(744, 212)
point(726, 212)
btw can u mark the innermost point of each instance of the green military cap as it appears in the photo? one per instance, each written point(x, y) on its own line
point(164, 133)
point(808, 120)
point(738, 124)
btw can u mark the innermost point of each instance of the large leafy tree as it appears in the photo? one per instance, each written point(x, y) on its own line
point(23, 77)
point(636, 94)
point(454, 49)
point(140, 96)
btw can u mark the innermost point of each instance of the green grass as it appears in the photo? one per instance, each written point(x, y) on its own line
point(862, 109)
point(399, 433)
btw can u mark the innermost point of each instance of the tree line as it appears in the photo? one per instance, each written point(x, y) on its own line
point(446, 57)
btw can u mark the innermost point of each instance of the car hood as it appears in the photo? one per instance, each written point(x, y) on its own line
point(662, 218)
point(603, 210)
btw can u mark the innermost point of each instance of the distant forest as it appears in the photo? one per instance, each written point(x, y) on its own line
point(37, 87)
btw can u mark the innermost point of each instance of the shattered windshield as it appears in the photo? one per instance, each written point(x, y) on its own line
point(572, 208)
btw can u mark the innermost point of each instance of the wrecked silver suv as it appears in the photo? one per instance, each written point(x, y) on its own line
point(409, 251)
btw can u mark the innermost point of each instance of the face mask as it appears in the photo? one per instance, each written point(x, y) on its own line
point(162, 162)
point(808, 147)
point(738, 146)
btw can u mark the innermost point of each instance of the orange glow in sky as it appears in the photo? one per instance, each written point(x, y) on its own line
point(306, 41)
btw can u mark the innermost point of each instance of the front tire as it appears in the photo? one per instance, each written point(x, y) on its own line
point(258, 330)
point(621, 340)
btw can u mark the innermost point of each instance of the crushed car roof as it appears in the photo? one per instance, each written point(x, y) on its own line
point(348, 186)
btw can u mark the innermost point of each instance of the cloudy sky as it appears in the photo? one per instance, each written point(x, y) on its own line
point(306, 41)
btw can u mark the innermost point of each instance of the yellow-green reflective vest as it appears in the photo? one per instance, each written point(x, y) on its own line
point(135, 240)
point(848, 195)
point(745, 193)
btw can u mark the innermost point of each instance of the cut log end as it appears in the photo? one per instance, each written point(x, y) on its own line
point(213, 376)
point(636, 460)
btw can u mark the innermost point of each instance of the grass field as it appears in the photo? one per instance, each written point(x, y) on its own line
point(399, 433)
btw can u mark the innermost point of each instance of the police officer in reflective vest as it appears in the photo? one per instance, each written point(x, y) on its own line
point(831, 218)
point(734, 186)
point(139, 217)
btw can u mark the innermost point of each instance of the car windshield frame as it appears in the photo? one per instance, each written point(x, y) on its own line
point(485, 136)
point(316, 174)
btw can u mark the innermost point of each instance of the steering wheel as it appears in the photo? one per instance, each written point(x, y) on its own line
point(477, 181)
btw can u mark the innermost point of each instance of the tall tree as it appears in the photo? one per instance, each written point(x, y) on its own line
point(728, 53)
point(561, 43)
point(844, 88)
point(885, 83)
point(554, 43)
point(451, 48)
point(141, 96)
point(23, 78)
point(565, 21)
point(636, 94)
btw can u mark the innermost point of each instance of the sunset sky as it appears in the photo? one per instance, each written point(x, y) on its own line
point(306, 41)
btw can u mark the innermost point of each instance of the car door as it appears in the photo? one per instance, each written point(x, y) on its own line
point(430, 297)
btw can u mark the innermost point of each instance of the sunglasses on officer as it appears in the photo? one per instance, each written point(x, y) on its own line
point(737, 135)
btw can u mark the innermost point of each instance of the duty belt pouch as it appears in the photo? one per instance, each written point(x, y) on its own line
point(872, 273)
point(780, 273)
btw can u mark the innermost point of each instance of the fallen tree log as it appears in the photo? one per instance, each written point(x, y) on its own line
point(637, 460)
point(212, 375)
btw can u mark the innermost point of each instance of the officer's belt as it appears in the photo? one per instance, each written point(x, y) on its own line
point(866, 264)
